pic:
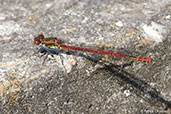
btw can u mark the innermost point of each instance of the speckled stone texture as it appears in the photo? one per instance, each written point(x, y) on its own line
point(68, 84)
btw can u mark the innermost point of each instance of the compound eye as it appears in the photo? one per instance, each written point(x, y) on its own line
point(36, 42)
point(41, 36)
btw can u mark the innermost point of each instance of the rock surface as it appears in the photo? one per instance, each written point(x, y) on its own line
point(29, 84)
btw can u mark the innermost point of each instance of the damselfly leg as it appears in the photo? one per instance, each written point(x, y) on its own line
point(46, 52)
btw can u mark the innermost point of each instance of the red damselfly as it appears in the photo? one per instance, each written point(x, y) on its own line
point(53, 45)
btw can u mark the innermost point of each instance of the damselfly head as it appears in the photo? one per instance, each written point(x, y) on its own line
point(38, 39)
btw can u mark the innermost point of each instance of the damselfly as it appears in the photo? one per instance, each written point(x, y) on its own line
point(53, 45)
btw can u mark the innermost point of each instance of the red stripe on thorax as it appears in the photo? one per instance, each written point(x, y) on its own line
point(47, 42)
